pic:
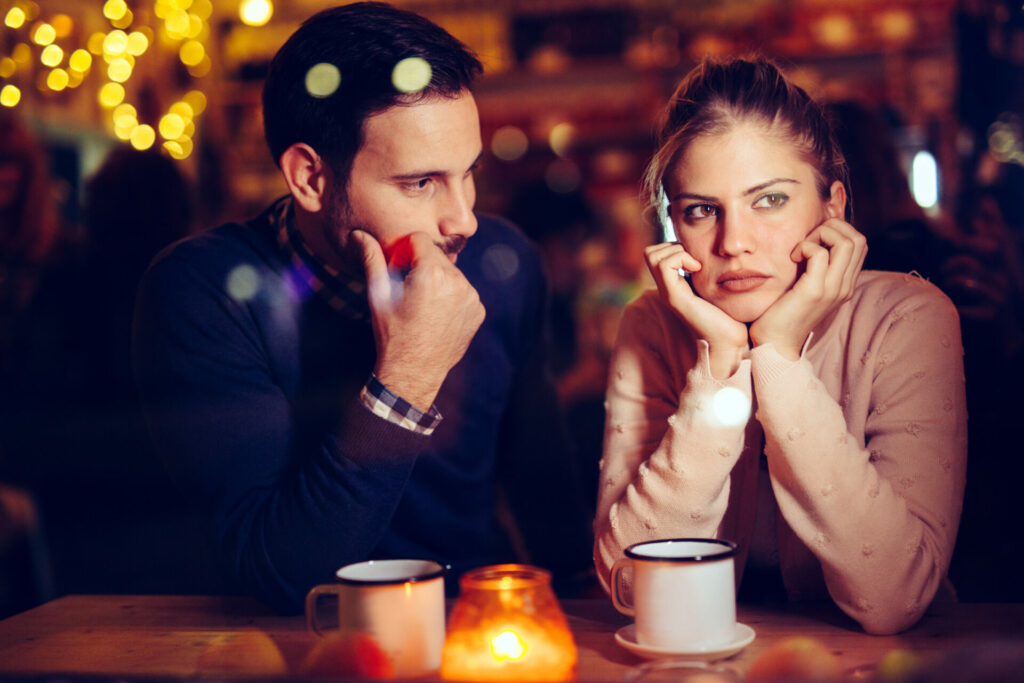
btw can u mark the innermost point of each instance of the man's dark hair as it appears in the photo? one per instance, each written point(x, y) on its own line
point(364, 41)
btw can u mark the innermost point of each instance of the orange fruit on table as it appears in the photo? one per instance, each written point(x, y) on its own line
point(347, 654)
point(249, 652)
point(796, 658)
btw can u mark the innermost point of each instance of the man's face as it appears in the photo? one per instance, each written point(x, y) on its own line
point(414, 173)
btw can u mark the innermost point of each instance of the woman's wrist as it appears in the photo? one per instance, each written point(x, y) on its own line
point(725, 359)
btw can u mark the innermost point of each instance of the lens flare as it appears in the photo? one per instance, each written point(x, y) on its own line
point(730, 407)
point(509, 143)
point(322, 80)
point(412, 74)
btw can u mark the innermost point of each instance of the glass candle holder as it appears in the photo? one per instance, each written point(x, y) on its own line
point(506, 625)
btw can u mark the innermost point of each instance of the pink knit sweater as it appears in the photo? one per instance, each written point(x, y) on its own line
point(865, 438)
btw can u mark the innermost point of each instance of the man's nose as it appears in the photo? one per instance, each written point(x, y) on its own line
point(457, 217)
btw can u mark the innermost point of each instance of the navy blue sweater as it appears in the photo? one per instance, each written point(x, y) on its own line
point(250, 384)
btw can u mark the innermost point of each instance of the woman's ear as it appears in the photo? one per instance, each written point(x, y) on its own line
point(835, 206)
point(305, 172)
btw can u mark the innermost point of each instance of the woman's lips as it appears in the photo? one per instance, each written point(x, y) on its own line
point(742, 280)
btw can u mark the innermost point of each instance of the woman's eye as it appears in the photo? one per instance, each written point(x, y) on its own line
point(695, 211)
point(772, 200)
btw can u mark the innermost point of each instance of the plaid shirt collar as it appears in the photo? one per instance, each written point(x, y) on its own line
point(341, 292)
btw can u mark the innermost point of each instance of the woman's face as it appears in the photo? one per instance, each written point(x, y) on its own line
point(740, 202)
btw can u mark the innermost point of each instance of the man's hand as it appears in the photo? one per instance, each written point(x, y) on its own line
point(726, 337)
point(422, 325)
point(834, 254)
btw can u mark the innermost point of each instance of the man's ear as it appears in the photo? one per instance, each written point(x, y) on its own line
point(835, 207)
point(306, 174)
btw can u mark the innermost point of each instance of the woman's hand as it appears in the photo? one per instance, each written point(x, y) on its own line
point(834, 254)
point(726, 337)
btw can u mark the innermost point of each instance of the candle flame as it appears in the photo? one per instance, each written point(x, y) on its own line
point(508, 645)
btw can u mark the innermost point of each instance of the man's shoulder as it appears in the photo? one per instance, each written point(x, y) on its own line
point(223, 247)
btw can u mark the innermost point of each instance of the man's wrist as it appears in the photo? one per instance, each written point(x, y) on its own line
point(385, 403)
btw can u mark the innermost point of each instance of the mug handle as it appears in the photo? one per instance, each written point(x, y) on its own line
point(614, 588)
point(313, 600)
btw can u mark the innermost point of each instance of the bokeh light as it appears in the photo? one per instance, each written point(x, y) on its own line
point(730, 407)
point(924, 179)
point(192, 53)
point(15, 18)
point(80, 60)
point(243, 282)
point(57, 80)
point(115, 9)
point(10, 95)
point(21, 53)
point(115, 43)
point(51, 55)
point(7, 67)
point(255, 12)
point(560, 138)
point(43, 34)
point(322, 80)
point(95, 43)
point(62, 25)
point(142, 137)
point(137, 43)
point(111, 94)
point(125, 21)
point(509, 143)
point(171, 126)
point(411, 75)
point(499, 262)
point(195, 99)
point(120, 70)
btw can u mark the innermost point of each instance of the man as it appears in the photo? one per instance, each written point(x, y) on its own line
point(349, 375)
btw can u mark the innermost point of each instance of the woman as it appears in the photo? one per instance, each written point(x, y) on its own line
point(844, 476)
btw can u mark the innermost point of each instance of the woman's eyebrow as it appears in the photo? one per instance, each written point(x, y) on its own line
point(691, 195)
point(769, 183)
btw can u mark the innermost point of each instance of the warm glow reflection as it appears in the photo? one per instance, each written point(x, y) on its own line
point(508, 645)
point(255, 12)
point(111, 94)
point(10, 95)
point(15, 18)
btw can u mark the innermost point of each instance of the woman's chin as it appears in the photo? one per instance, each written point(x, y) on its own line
point(744, 309)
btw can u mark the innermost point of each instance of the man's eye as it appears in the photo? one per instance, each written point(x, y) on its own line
point(694, 211)
point(420, 184)
point(772, 200)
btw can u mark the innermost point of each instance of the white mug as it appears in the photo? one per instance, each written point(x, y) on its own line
point(398, 603)
point(684, 592)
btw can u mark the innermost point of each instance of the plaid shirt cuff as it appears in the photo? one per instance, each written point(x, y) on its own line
point(382, 403)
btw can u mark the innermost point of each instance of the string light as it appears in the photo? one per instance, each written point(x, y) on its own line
point(52, 52)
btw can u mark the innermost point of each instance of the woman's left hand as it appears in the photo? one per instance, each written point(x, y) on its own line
point(834, 254)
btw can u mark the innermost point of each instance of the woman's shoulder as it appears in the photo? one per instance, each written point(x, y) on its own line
point(882, 298)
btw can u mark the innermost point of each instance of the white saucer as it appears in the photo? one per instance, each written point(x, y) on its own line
point(742, 636)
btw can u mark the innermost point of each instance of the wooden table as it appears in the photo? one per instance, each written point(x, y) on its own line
point(165, 636)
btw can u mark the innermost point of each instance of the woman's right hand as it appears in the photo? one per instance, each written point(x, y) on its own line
point(727, 338)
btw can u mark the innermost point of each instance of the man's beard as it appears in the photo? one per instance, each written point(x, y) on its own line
point(340, 221)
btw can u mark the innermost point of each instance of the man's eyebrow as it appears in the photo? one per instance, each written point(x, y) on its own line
point(436, 173)
point(769, 183)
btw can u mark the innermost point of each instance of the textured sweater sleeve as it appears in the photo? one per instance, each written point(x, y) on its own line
point(877, 503)
point(668, 452)
point(287, 513)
